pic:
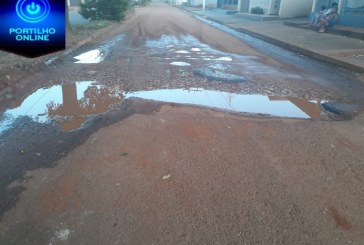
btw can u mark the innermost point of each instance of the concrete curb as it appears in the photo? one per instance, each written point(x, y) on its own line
point(292, 47)
point(301, 50)
point(346, 33)
point(214, 20)
point(295, 48)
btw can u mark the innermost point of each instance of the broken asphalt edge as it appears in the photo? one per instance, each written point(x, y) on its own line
point(289, 46)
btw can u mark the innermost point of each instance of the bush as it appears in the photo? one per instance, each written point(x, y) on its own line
point(257, 10)
point(104, 9)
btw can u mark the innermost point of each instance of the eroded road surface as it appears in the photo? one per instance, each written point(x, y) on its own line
point(176, 130)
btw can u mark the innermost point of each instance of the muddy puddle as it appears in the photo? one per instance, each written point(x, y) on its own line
point(98, 54)
point(186, 48)
point(91, 57)
point(206, 61)
point(70, 105)
point(244, 103)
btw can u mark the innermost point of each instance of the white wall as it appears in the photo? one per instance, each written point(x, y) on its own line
point(199, 2)
point(295, 8)
point(180, 2)
point(274, 6)
point(196, 2)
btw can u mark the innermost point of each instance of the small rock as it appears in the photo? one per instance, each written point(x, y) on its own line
point(166, 176)
point(7, 77)
point(63, 234)
point(91, 72)
point(21, 151)
point(38, 154)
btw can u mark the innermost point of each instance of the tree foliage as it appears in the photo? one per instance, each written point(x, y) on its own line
point(104, 9)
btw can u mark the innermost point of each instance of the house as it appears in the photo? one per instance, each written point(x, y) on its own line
point(282, 8)
point(228, 4)
point(351, 12)
point(180, 2)
point(199, 3)
point(244, 6)
point(270, 7)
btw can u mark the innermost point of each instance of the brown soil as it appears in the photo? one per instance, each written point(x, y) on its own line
point(193, 176)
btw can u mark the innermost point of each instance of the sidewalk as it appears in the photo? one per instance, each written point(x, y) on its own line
point(329, 47)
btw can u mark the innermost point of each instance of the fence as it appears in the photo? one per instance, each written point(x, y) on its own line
point(355, 7)
point(322, 4)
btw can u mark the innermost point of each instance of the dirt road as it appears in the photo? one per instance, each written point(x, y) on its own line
point(97, 154)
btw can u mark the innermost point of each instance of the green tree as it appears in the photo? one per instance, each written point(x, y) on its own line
point(104, 9)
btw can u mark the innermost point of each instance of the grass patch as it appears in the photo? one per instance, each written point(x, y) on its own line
point(92, 25)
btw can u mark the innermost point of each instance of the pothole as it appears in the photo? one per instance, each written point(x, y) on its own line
point(244, 103)
point(69, 104)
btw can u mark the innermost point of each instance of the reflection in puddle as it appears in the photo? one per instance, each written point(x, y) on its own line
point(218, 66)
point(70, 104)
point(202, 55)
point(258, 104)
point(97, 55)
point(311, 107)
point(219, 59)
point(219, 75)
point(180, 63)
point(182, 52)
point(91, 57)
point(225, 59)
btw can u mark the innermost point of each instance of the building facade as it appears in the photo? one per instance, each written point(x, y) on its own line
point(282, 8)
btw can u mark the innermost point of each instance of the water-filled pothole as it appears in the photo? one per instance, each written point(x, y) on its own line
point(211, 63)
point(91, 57)
point(243, 103)
point(99, 54)
point(69, 104)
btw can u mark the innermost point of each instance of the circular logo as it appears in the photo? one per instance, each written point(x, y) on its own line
point(33, 11)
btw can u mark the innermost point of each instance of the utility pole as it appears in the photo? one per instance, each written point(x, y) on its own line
point(68, 25)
